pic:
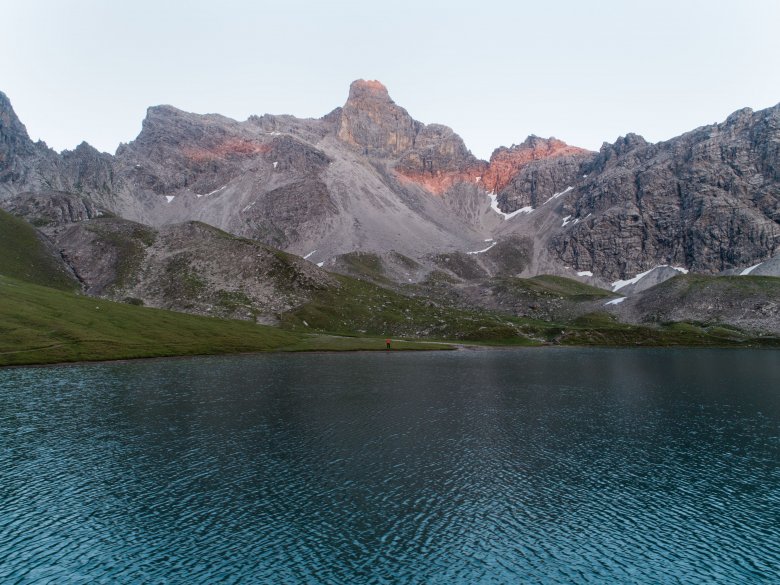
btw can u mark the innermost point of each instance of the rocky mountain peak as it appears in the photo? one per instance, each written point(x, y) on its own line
point(11, 128)
point(506, 163)
point(86, 148)
point(740, 116)
point(14, 141)
point(533, 141)
point(629, 142)
point(609, 153)
point(372, 122)
point(162, 114)
point(362, 89)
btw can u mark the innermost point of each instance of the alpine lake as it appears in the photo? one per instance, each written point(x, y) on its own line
point(542, 465)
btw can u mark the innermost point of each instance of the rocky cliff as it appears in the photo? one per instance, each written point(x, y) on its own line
point(708, 200)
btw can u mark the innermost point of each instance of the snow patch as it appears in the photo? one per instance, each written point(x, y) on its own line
point(170, 198)
point(566, 220)
point(276, 163)
point(526, 209)
point(248, 207)
point(485, 250)
point(618, 284)
point(489, 240)
point(556, 195)
point(615, 301)
point(585, 273)
point(584, 176)
point(212, 193)
point(749, 270)
point(320, 263)
point(477, 179)
point(494, 206)
point(309, 255)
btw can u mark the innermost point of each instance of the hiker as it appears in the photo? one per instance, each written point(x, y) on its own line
point(387, 341)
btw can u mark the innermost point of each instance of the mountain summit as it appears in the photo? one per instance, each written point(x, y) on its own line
point(371, 121)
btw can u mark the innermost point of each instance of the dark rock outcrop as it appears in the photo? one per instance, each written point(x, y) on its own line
point(15, 144)
point(52, 208)
point(439, 160)
point(177, 150)
point(526, 175)
point(373, 123)
point(708, 200)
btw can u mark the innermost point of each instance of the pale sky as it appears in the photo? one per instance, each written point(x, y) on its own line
point(495, 71)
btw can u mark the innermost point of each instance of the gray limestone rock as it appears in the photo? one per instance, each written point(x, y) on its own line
point(708, 200)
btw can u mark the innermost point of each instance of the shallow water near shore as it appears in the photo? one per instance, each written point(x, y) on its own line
point(489, 466)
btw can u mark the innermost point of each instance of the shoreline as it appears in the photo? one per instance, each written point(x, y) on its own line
point(452, 347)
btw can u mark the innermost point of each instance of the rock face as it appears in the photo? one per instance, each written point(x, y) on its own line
point(177, 150)
point(52, 208)
point(528, 174)
point(708, 200)
point(368, 177)
point(439, 161)
point(15, 144)
point(373, 123)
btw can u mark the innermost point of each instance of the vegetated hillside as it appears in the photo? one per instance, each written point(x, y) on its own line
point(463, 281)
point(367, 177)
point(44, 325)
point(190, 267)
point(363, 307)
point(750, 303)
point(41, 325)
point(24, 254)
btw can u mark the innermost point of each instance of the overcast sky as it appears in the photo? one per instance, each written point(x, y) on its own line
point(585, 72)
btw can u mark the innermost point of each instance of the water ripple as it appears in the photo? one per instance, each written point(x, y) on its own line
point(586, 466)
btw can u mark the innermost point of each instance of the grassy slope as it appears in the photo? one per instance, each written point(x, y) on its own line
point(366, 308)
point(42, 325)
point(694, 286)
point(23, 255)
point(602, 329)
point(567, 287)
point(360, 307)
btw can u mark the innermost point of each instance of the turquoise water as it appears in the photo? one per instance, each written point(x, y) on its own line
point(539, 465)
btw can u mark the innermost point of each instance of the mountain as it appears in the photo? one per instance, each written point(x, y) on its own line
point(368, 177)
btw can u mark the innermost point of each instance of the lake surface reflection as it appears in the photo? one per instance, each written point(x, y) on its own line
point(497, 466)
